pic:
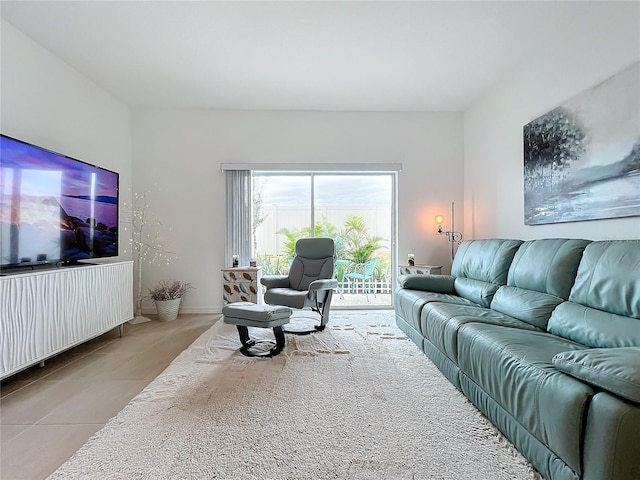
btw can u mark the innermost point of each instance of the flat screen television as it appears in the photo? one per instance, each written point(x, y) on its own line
point(54, 209)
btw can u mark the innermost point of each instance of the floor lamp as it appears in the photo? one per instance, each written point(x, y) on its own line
point(453, 237)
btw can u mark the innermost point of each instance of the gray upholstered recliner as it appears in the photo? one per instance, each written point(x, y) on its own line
point(309, 283)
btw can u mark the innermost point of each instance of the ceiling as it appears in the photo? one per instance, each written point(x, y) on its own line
point(318, 55)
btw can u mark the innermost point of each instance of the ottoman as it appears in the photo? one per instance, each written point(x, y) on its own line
point(247, 314)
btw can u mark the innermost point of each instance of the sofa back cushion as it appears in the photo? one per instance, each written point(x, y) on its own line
point(548, 265)
point(604, 305)
point(479, 292)
point(529, 306)
point(609, 278)
point(540, 278)
point(481, 267)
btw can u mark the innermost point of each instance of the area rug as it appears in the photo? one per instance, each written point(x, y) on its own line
point(356, 401)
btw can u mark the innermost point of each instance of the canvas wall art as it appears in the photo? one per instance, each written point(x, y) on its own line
point(582, 159)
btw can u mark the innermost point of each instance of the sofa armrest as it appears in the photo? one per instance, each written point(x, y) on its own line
point(427, 283)
point(323, 284)
point(275, 281)
point(611, 439)
point(616, 370)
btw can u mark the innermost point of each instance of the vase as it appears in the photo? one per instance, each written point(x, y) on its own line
point(168, 309)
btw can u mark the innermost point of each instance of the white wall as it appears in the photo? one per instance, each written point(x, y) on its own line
point(49, 104)
point(591, 49)
point(178, 155)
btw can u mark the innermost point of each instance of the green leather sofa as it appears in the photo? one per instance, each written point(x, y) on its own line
point(543, 337)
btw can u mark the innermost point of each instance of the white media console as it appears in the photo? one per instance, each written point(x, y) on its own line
point(43, 313)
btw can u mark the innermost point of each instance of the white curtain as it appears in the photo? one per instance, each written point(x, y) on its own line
point(239, 213)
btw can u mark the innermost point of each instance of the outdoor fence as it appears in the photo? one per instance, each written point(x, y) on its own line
point(377, 285)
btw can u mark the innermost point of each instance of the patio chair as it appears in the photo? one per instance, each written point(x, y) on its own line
point(309, 282)
point(364, 273)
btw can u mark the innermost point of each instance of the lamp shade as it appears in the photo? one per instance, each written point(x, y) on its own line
point(439, 219)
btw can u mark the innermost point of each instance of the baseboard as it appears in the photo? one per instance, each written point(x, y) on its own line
point(188, 310)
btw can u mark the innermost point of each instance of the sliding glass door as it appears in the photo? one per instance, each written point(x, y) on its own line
point(355, 209)
point(281, 212)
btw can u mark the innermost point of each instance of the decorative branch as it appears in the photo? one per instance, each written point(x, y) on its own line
point(145, 244)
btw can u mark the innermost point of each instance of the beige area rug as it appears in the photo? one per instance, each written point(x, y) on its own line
point(357, 401)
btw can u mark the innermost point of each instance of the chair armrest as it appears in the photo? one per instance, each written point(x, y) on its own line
point(275, 281)
point(323, 284)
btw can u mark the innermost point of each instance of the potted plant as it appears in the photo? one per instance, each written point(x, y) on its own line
point(167, 295)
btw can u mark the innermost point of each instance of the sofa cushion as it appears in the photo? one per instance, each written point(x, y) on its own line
point(608, 278)
point(485, 260)
point(440, 323)
point(604, 305)
point(614, 369)
point(481, 267)
point(477, 291)
point(548, 265)
point(594, 328)
point(540, 278)
point(409, 303)
point(526, 305)
point(514, 367)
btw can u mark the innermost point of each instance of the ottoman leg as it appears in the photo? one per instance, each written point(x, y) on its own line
point(248, 343)
point(279, 334)
point(243, 332)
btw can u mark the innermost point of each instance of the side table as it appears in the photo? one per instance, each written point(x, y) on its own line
point(420, 269)
point(242, 284)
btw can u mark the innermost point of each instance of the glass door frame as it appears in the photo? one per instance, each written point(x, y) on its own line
point(393, 245)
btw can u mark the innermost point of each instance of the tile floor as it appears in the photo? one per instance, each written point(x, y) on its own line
point(360, 300)
point(46, 414)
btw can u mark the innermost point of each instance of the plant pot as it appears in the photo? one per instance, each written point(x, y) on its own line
point(168, 309)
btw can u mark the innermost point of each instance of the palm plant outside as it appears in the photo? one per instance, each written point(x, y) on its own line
point(320, 229)
point(353, 243)
point(358, 246)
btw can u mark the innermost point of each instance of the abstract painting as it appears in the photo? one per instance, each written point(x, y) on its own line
point(582, 159)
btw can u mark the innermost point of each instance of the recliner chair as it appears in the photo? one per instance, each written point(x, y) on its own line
point(309, 282)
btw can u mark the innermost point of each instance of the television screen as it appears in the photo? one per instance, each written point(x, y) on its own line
point(54, 208)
